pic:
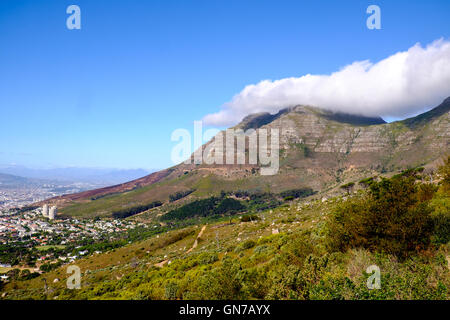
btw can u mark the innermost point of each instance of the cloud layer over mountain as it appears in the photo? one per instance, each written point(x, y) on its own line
point(400, 85)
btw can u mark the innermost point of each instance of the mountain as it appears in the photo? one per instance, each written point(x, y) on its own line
point(9, 180)
point(98, 176)
point(14, 182)
point(319, 149)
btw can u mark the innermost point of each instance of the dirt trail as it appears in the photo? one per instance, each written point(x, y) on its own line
point(196, 240)
point(162, 263)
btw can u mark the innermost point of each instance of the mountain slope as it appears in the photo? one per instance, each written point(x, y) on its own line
point(318, 149)
point(98, 176)
point(13, 181)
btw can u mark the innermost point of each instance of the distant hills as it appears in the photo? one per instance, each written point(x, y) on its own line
point(319, 149)
point(9, 181)
point(98, 176)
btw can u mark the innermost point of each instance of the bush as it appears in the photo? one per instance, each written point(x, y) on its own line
point(297, 193)
point(445, 172)
point(207, 258)
point(249, 217)
point(245, 245)
point(441, 225)
point(366, 182)
point(241, 193)
point(46, 267)
point(394, 216)
point(171, 290)
point(348, 187)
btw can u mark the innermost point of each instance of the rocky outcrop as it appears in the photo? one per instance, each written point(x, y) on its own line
point(318, 149)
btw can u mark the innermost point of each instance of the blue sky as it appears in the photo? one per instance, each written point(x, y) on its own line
point(110, 94)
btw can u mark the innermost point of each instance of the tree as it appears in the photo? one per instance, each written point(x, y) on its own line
point(394, 217)
point(365, 183)
point(444, 171)
point(348, 187)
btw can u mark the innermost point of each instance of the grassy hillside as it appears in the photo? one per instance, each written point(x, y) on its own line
point(293, 251)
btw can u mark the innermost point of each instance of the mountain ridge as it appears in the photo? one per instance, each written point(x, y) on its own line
point(256, 120)
point(317, 149)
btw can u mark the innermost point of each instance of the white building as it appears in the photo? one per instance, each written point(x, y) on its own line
point(52, 213)
point(45, 210)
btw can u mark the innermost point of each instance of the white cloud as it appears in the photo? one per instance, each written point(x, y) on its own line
point(401, 85)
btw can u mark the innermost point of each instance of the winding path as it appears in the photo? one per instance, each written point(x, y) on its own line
point(162, 263)
point(196, 240)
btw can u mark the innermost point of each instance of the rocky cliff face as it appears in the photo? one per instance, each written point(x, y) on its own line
point(318, 149)
point(422, 138)
point(324, 133)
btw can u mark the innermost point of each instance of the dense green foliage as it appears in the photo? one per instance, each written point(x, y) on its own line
point(46, 267)
point(179, 195)
point(445, 172)
point(263, 201)
point(399, 224)
point(229, 206)
point(394, 216)
point(10, 253)
point(348, 186)
point(366, 182)
point(205, 207)
point(124, 213)
point(297, 193)
point(249, 217)
point(277, 267)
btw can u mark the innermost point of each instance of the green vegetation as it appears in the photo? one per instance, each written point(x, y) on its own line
point(276, 267)
point(46, 267)
point(320, 250)
point(48, 247)
point(180, 195)
point(205, 207)
point(366, 182)
point(395, 217)
point(124, 213)
point(348, 187)
point(445, 172)
point(297, 193)
point(249, 217)
point(262, 201)
point(20, 275)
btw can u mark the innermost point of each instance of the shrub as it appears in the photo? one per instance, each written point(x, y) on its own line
point(366, 182)
point(249, 217)
point(394, 216)
point(297, 193)
point(171, 290)
point(245, 245)
point(207, 258)
point(348, 187)
point(445, 172)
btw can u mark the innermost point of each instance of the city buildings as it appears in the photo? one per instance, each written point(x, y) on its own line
point(52, 212)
